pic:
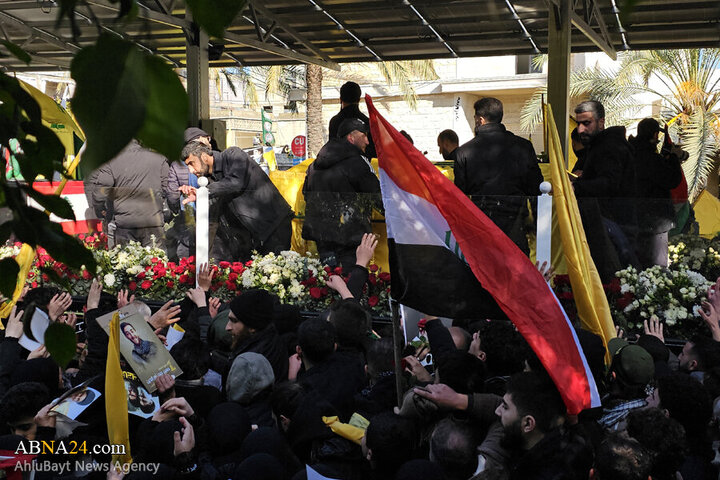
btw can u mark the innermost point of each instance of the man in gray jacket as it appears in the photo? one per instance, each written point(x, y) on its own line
point(135, 182)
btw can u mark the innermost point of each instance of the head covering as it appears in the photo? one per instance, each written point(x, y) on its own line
point(260, 466)
point(633, 364)
point(254, 308)
point(647, 128)
point(271, 441)
point(193, 133)
point(351, 124)
point(250, 374)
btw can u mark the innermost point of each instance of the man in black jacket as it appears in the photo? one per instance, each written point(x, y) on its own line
point(340, 191)
point(350, 94)
point(134, 182)
point(248, 210)
point(657, 175)
point(498, 170)
point(608, 176)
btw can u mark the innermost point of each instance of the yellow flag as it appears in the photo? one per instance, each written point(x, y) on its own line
point(116, 396)
point(269, 156)
point(25, 260)
point(345, 430)
point(590, 299)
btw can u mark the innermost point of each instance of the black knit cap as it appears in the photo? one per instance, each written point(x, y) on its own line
point(194, 133)
point(254, 308)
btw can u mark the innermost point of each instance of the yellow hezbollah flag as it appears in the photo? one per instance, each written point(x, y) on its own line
point(269, 156)
point(116, 396)
point(592, 304)
point(25, 261)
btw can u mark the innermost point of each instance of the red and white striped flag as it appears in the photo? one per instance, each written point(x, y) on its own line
point(443, 248)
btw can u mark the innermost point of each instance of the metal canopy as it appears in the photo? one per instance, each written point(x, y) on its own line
point(328, 32)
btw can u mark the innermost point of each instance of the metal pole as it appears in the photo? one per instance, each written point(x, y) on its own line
point(398, 345)
point(202, 224)
point(543, 250)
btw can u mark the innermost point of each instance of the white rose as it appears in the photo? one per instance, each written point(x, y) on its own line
point(109, 280)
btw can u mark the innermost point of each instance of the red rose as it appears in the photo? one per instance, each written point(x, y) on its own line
point(86, 275)
point(184, 279)
point(132, 285)
point(328, 269)
point(384, 276)
point(337, 271)
point(615, 285)
point(311, 281)
point(170, 284)
point(90, 239)
point(373, 300)
point(625, 300)
point(232, 277)
point(191, 259)
point(154, 260)
point(238, 268)
point(147, 267)
point(372, 279)
point(141, 275)
point(373, 268)
point(231, 285)
point(34, 284)
point(422, 323)
point(224, 264)
point(146, 284)
point(248, 263)
point(315, 292)
point(171, 265)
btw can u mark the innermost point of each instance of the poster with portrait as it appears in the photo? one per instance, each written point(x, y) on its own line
point(73, 402)
point(140, 402)
point(142, 349)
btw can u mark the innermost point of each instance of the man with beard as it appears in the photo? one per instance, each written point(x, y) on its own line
point(247, 212)
point(448, 144)
point(608, 176)
point(250, 323)
point(700, 354)
point(532, 414)
point(498, 170)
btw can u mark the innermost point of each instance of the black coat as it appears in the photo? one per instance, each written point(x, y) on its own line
point(609, 175)
point(351, 111)
point(656, 177)
point(340, 191)
point(242, 194)
point(266, 342)
point(499, 170)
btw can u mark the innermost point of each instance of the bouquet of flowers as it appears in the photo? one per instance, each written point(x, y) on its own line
point(696, 253)
point(673, 295)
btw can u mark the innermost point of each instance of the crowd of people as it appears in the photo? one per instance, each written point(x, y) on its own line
point(266, 392)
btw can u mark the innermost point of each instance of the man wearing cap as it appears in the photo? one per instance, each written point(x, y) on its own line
point(631, 370)
point(340, 191)
point(250, 323)
point(350, 94)
point(247, 212)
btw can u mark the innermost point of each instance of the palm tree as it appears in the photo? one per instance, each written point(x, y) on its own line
point(313, 81)
point(685, 82)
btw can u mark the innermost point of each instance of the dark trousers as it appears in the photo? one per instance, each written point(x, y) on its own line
point(143, 235)
point(278, 240)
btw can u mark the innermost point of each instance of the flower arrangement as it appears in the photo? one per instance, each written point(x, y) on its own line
point(147, 273)
point(697, 253)
point(673, 295)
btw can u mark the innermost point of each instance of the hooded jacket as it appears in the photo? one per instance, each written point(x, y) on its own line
point(340, 191)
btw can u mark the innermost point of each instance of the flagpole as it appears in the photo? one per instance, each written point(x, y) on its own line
point(398, 345)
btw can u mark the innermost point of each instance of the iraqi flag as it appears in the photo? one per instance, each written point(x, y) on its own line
point(446, 257)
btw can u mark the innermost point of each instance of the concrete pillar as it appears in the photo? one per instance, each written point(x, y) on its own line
point(198, 76)
point(559, 29)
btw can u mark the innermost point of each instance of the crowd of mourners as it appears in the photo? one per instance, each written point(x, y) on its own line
point(265, 392)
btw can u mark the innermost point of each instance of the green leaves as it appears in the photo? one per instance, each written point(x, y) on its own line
point(214, 16)
point(124, 93)
point(52, 203)
point(60, 342)
point(9, 270)
point(18, 52)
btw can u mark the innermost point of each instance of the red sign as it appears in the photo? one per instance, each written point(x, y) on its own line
point(298, 146)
